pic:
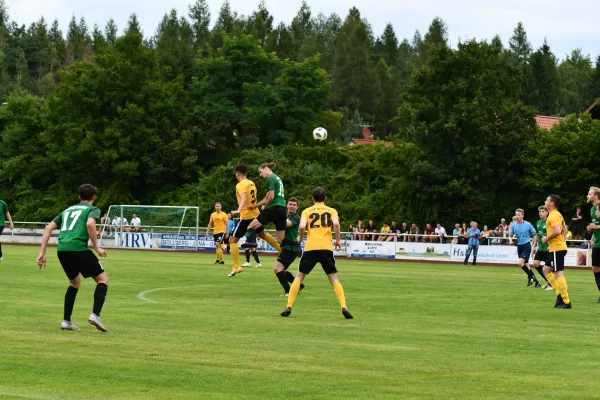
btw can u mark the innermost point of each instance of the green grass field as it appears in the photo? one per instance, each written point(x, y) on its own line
point(420, 331)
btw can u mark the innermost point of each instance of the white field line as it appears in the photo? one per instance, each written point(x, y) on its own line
point(142, 295)
point(26, 396)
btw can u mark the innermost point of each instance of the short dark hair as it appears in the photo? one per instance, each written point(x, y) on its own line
point(555, 199)
point(87, 192)
point(542, 208)
point(242, 169)
point(293, 200)
point(319, 194)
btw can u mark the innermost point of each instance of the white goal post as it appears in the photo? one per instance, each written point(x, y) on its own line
point(151, 227)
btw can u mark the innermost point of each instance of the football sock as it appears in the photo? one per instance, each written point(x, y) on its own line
point(69, 302)
point(290, 276)
point(540, 271)
point(526, 270)
point(339, 292)
point(283, 281)
point(255, 254)
point(531, 274)
point(247, 255)
point(219, 253)
point(597, 277)
point(562, 286)
point(293, 293)
point(235, 255)
point(272, 242)
point(99, 297)
point(552, 281)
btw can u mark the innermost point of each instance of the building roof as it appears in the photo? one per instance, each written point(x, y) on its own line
point(369, 142)
point(546, 122)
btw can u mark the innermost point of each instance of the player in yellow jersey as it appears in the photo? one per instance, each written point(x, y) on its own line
point(219, 220)
point(317, 221)
point(555, 237)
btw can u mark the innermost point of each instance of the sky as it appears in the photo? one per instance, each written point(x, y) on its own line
point(565, 24)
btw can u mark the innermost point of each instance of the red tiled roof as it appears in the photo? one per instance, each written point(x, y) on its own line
point(546, 122)
point(369, 142)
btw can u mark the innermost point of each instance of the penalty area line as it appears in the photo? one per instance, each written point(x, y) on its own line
point(142, 295)
point(26, 396)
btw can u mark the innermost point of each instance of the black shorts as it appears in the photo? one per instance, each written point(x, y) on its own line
point(219, 237)
point(287, 257)
point(80, 262)
point(557, 260)
point(542, 256)
point(596, 257)
point(524, 251)
point(577, 229)
point(311, 258)
point(276, 215)
point(241, 228)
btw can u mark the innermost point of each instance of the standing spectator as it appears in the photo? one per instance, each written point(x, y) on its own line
point(429, 233)
point(414, 233)
point(485, 235)
point(360, 229)
point(472, 236)
point(462, 239)
point(371, 228)
point(440, 231)
point(588, 238)
point(136, 223)
point(404, 231)
point(386, 230)
point(577, 224)
point(456, 233)
point(4, 215)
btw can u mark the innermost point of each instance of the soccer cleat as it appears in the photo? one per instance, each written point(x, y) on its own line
point(285, 295)
point(258, 265)
point(347, 314)
point(559, 301)
point(246, 264)
point(249, 245)
point(286, 312)
point(564, 306)
point(217, 262)
point(68, 326)
point(97, 322)
point(537, 284)
point(301, 287)
point(222, 262)
point(231, 274)
point(596, 302)
point(530, 282)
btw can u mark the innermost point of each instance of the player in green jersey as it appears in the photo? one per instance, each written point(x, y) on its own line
point(77, 225)
point(4, 215)
point(540, 250)
point(273, 207)
point(593, 198)
point(289, 249)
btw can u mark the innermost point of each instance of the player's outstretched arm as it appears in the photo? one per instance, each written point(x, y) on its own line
point(91, 228)
point(338, 235)
point(41, 260)
point(10, 221)
point(264, 202)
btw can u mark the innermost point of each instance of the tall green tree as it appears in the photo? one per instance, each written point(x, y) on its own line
point(111, 32)
point(199, 14)
point(133, 25)
point(260, 24)
point(435, 39)
point(280, 42)
point(301, 28)
point(575, 77)
point(519, 48)
point(175, 46)
point(387, 46)
point(228, 23)
point(59, 47)
point(541, 89)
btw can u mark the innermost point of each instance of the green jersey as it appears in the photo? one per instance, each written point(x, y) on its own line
point(3, 211)
point(72, 224)
point(292, 232)
point(275, 184)
point(541, 232)
point(595, 221)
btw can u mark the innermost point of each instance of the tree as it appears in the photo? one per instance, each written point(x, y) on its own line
point(301, 28)
point(175, 47)
point(576, 83)
point(38, 49)
point(199, 14)
point(111, 32)
point(78, 41)
point(387, 99)
point(98, 40)
point(260, 24)
point(227, 23)
point(519, 48)
point(464, 134)
point(133, 25)
point(58, 46)
point(596, 80)
point(386, 46)
point(542, 81)
point(280, 42)
point(435, 39)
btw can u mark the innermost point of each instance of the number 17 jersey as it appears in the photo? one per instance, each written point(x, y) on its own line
point(248, 187)
point(72, 225)
point(319, 220)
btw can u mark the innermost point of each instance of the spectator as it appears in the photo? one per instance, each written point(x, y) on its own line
point(115, 226)
point(360, 229)
point(125, 225)
point(385, 233)
point(414, 233)
point(351, 232)
point(102, 222)
point(462, 239)
point(371, 228)
point(588, 238)
point(568, 236)
point(485, 235)
point(440, 231)
point(501, 230)
point(473, 235)
point(136, 223)
point(577, 224)
point(395, 232)
point(404, 231)
point(456, 233)
point(429, 233)
point(514, 221)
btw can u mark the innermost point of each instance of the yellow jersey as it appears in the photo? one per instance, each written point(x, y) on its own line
point(248, 187)
point(219, 221)
point(558, 243)
point(386, 229)
point(319, 221)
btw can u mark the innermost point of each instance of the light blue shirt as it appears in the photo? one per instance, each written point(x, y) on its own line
point(523, 231)
point(474, 241)
point(231, 226)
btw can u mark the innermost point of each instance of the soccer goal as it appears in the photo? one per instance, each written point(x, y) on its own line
point(151, 227)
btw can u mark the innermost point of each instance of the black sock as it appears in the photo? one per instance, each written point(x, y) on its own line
point(69, 302)
point(251, 238)
point(597, 276)
point(291, 278)
point(283, 280)
point(526, 270)
point(99, 297)
point(540, 271)
point(530, 273)
point(247, 255)
point(255, 254)
point(0, 249)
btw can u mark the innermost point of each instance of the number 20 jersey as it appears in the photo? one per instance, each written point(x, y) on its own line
point(72, 225)
point(319, 220)
point(248, 187)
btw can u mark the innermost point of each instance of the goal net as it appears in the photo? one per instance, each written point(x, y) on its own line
point(151, 227)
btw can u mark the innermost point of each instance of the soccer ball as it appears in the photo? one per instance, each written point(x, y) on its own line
point(320, 134)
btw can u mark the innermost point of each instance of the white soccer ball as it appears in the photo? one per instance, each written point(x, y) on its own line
point(320, 134)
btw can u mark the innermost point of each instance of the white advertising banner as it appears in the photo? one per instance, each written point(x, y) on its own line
point(134, 240)
point(423, 251)
point(362, 249)
point(508, 255)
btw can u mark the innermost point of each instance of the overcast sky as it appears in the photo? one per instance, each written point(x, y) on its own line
point(566, 24)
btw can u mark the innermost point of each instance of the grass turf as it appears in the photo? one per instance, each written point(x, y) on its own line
point(420, 331)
